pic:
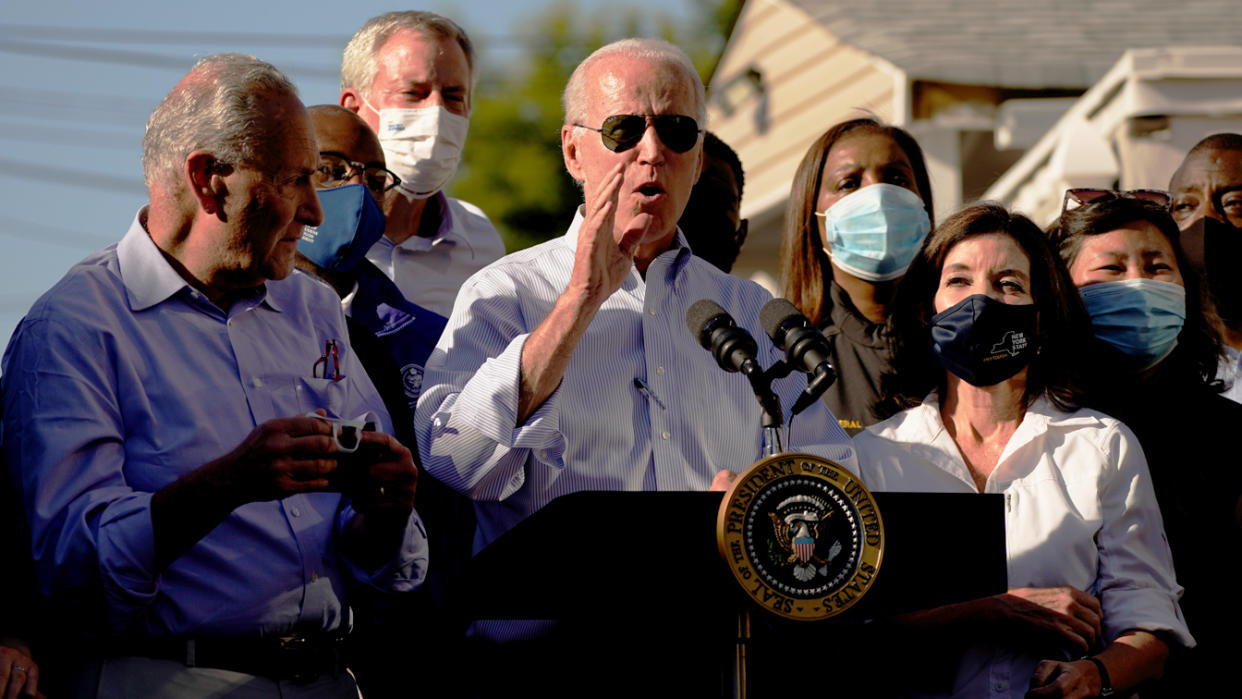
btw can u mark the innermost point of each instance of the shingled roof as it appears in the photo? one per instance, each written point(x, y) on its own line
point(1021, 43)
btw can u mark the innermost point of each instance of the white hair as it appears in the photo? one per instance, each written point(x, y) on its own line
point(575, 95)
point(358, 63)
point(221, 106)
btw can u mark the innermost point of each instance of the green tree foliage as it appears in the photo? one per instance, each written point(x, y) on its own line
point(512, 166)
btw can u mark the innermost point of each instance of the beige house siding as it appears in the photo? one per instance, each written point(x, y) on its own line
point(812, 80)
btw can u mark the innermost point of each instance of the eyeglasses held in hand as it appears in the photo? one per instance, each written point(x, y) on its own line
point(331, 354)
point(621, 132)
point(1082, 196)
point(335, 170)
point(347, 434)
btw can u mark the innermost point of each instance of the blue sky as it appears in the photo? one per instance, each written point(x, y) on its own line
point(80, 78)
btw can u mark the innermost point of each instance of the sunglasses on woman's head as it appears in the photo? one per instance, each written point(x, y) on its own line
point(1083, 196)
point(621, 132)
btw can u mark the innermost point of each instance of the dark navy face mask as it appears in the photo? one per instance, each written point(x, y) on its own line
point(1214, 247)
point(352, 222)
point(983, 341)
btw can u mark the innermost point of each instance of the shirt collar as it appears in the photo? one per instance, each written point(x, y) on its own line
point(446, 231)
point(852, 324)
point(1041, 414)
point(148, 278)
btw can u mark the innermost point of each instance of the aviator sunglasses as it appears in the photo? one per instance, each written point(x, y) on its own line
point(621, 132)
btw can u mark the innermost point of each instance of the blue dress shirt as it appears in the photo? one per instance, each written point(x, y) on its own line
point(123, 378)
point(684, 419)
point(430, 270)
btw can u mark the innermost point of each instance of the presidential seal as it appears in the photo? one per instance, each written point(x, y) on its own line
point(802, 536)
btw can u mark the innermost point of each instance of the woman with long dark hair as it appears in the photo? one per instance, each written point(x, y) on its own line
point(859, 208)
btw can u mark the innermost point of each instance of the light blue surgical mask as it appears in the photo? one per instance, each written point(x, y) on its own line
point(875, 233)
point(352, 222)
point(1140, 317)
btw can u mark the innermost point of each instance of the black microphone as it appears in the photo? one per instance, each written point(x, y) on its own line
point(804, 346)
point(733, 347)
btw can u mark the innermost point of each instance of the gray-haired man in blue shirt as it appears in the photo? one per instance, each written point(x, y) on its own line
point(195, 520)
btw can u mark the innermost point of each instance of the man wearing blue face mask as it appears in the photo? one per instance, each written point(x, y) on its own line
point(352, 179)
point(409, 75)
point(393, 338)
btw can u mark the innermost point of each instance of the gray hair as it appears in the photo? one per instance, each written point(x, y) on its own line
point(221, 106)
point(575, 96)
point(358, 63)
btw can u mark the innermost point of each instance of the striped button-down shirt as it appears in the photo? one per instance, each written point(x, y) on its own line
point(641, 405)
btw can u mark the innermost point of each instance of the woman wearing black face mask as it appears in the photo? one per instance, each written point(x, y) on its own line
point(987, 329)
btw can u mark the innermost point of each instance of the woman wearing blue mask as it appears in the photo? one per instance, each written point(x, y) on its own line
point(859, 208)
point(987, 329)
point(1153, 365)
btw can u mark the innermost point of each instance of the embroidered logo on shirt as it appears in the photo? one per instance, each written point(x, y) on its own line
point(412, 380)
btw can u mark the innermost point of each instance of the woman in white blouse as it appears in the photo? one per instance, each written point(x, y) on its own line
point(987, 325)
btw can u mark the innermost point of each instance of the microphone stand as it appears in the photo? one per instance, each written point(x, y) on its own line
point(772, 417)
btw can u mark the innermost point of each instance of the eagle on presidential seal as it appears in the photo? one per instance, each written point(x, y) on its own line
point(796, 523)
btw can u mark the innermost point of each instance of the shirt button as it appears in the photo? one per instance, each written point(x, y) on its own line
point(295, 512)
point(665, 435)
point(660, 370)
point(258, 383)
point(651, 311)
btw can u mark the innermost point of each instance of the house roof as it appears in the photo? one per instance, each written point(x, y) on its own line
point(1020, 43)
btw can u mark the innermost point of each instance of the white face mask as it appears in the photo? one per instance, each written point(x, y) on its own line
point(423, 146)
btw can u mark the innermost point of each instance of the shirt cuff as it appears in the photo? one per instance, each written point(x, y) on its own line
point(127, 556)
point(1147, 609)
point(405, 571)
point(488, 403)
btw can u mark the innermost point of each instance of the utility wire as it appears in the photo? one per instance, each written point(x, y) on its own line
point(75, 102)
point(141, 59)
point(78, 178)
point(35, 232)
point(162, 37)
point(229, 38)
point(54, 136)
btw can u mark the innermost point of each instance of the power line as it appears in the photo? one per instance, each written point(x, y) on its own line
point(160, 37)
point(33, 231)
point(83, 53)
point(73, 103)
point(78, 178)
point(55, 136)
point(141, 59)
